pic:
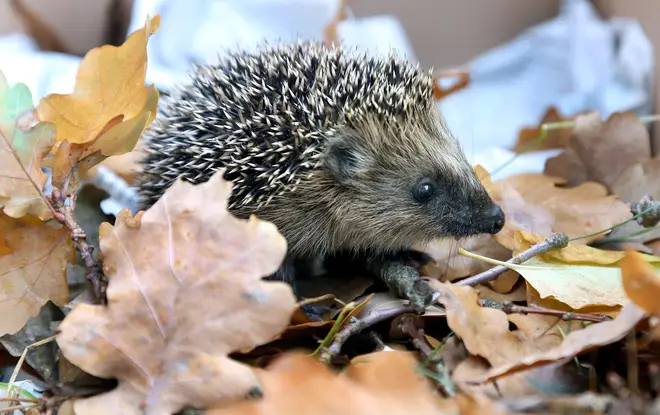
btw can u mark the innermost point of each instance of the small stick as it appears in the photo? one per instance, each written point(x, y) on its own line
point(17, 399)
point(443, 379)
point(94, 270)
point(510, 308)
point(15, 408)
point(354, 327)
point(315, 300)
point(335, 328)
point(555, 241)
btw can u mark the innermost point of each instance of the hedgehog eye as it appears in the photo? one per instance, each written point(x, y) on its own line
point(424, 191)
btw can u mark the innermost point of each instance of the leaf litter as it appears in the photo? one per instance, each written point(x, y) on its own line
point(181, 317)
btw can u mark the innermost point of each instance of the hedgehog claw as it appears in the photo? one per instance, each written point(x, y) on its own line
point(405, 282)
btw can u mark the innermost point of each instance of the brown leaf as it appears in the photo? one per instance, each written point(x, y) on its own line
point(22, 147)
point(528, 138)
point(576, 343)
point(185, 291)
point(32, 269)
point(485, 331)
point(378, 383)
point(601, 151)
point(440, 93)
point(534, 203)
point(641, 282)
point(639, 180)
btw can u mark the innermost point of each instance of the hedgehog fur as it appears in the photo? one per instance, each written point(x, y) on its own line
point(341, 150)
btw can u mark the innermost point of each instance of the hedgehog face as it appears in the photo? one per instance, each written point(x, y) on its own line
point(406, 189)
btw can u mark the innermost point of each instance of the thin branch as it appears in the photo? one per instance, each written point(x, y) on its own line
point(555, 241)
point(354, 327)
point(441, 374)
point(510, 308)
point(315, 300)
point(15, 408)
point(335, 328)
point(94, 269)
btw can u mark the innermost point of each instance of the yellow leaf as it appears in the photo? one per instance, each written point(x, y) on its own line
point(185, 291)
point(108, 110)
point(641, 282)
point(32, 269)
point(110, 82)
point(578, 276)
point(22, 147)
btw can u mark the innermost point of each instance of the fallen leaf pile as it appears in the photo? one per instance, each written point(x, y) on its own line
point(168, 310)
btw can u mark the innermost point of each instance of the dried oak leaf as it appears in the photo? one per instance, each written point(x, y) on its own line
point(485, 331)
point(534, 203)
point(22, 147)
point(376, 383)
point(33, 262)
point(576, 343)
point(487, 336)
point(185, 291)
point(601, 151)
point(110, 105)
point(641, 282)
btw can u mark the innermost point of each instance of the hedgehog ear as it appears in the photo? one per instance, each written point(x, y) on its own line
point(346, 159)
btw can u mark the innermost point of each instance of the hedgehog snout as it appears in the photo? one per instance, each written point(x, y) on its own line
point(492, 219)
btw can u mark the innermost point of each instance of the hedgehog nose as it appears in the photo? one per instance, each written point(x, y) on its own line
point(494, 219)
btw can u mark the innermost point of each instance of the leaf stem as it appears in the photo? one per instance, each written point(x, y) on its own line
point(613, 226)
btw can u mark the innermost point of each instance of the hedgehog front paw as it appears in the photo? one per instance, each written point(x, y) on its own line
point(405, 282)
point(420, 295)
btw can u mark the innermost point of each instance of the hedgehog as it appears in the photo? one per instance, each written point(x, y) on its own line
point(345, 152)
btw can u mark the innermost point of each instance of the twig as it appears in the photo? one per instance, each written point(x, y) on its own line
point(646, 211)
point(335, 328)
point(64, 214)
point(510, 308)
point(19, 364)
point(555, 241)
point(442, 376)
point(15, 408)
point(17, 399)
point(354, 327)
point(315, 300)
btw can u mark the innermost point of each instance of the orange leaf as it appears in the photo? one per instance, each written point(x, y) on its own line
point(186, 255)
point(376, 383)
point(33, 261)
point(110, 83)
point(641, 282)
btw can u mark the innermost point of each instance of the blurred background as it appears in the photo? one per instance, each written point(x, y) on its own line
point(527, 61)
